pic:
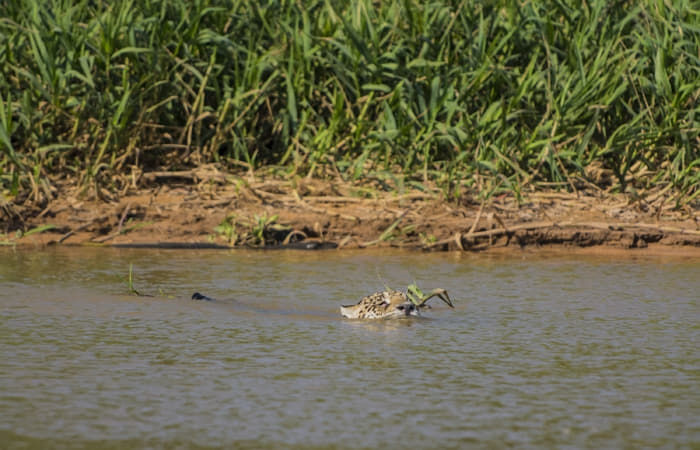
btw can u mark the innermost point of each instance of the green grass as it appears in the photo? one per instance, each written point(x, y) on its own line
point(11, 239)
point(130, 281)
point(480, 97)
point(257, 232)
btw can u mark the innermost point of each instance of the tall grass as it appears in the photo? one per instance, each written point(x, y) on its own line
point(487, 96)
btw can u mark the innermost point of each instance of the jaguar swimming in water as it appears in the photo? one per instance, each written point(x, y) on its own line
point(391, 304)
point(386, 304)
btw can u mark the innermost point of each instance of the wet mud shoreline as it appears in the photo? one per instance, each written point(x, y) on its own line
point(314, 214)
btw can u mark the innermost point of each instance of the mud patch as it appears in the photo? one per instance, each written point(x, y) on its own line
point(232, 211)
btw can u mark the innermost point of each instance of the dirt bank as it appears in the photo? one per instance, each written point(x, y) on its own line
point(209, 207)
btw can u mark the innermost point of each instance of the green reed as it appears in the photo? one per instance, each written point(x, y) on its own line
point(479, 96)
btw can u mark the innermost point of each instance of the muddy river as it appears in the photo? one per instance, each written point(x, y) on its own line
point(540, 351)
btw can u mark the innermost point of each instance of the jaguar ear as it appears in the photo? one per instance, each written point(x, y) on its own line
point(386, 297)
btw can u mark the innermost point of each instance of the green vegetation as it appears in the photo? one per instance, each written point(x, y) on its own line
point(414, 293)
point(256, 233)
point(418, 298)
point(11, 239)
point(130, 281)
point(131, 289)
point(487, 97)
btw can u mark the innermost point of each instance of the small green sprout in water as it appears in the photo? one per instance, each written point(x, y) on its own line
point(130, 284)
point(130, 281)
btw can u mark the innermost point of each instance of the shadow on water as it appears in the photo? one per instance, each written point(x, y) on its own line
point(247, 307)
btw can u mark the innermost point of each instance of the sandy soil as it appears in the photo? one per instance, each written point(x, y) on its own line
point(185, 208)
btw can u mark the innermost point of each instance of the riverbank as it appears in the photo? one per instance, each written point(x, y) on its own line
point(211, 207)
point(462, 102)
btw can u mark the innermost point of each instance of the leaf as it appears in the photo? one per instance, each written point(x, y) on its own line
point(39, 229)
point(660, 75)
point(376, 87)
point(130, 50)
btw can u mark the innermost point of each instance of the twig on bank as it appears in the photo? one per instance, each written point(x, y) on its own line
point(186, 174)
point(500, 222)
point(385, 235)
point(458, 240)
point(478, 217)
point(343, 242)
point(119, 226)
point(121, 220)
point(72, 232)
point(193, 175)
point(81, 228)
point(105, 238)
point(300, 201)
point(332, 199)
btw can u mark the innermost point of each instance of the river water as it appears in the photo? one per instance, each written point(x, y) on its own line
point(540, 351)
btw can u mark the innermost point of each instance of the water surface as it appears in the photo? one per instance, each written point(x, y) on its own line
point(539, 351)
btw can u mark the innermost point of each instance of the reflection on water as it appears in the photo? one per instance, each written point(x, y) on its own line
point(557, 351)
